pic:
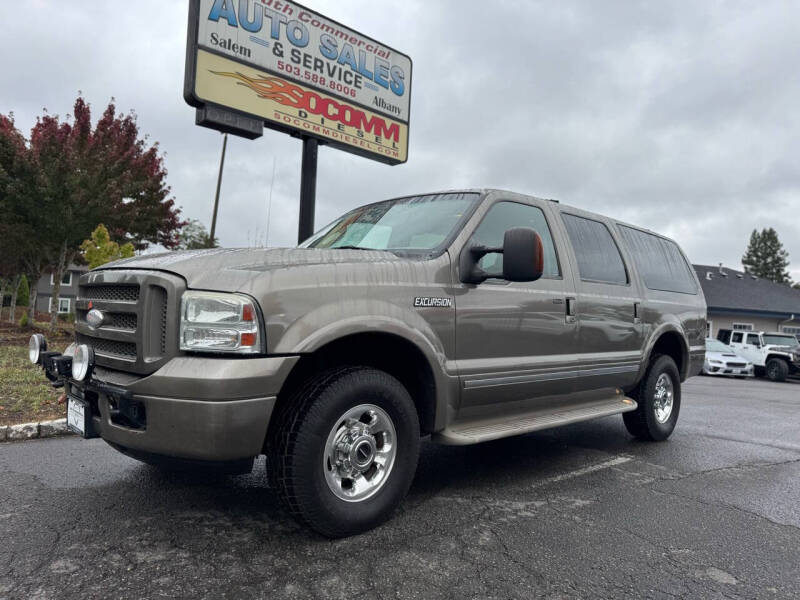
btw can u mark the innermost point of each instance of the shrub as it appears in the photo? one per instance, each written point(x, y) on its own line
point(23, 322)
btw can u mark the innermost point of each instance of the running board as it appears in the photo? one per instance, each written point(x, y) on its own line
point(459, 434)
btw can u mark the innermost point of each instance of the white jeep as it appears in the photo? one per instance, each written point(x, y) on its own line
point(774, 355)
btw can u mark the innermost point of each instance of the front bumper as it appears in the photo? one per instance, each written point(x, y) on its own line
point(197, 408)
point(713, 369)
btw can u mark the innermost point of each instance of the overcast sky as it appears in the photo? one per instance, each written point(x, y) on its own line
point(682, 117)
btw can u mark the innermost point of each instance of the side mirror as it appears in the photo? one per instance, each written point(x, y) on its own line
point(523, 257)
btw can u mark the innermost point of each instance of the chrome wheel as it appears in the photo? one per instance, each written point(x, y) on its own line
point(664, 398)
point(360, 453)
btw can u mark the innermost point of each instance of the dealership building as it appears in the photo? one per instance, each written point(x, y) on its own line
point(741, 301)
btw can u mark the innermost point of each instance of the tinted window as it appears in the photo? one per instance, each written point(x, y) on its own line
point(504, 216)
point(659, 262)
point(737, 337)
point(753, 339)
point(598, 256)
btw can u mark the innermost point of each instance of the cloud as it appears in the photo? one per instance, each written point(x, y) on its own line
point(681, 118)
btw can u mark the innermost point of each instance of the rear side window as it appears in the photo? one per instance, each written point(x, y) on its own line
point(597, 253)
point(737, 337)
point(659, 261)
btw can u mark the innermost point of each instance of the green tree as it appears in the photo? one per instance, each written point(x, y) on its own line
point(24, 291)
point(17, 240)
point(765, 257)
point(194, 236)
point(100, 249)
point(78, 176)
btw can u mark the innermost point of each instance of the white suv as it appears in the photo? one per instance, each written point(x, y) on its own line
point(774, 355)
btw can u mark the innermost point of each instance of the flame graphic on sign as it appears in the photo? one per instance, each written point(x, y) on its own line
point(270, 88)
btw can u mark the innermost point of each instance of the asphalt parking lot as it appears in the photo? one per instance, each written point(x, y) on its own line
point(583, 511)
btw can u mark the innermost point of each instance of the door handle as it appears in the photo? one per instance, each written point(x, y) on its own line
point(570, 317)
point(637, 312)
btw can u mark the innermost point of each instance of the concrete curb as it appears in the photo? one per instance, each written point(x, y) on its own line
point(33, 431)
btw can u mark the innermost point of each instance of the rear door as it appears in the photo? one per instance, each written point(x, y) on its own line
point(514, 342)
point(607, 304)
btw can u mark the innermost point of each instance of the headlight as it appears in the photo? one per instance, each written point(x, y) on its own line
point(82, 362)
point(715, 362)
point(216, 322)
point(36, 346)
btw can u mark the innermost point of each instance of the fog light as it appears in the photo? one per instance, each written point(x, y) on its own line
point(36, 346)
point(82, 362)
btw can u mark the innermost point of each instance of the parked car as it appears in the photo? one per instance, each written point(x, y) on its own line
point(722, 360)
point(774, 355)
point(465, 316)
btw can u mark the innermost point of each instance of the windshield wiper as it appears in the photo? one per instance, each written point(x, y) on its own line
point(350, 248)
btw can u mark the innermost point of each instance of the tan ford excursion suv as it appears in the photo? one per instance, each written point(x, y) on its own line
point(465, 316)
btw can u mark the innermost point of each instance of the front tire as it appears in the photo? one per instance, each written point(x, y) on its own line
point(345, 450)
point(659, 399)
point(777, 369)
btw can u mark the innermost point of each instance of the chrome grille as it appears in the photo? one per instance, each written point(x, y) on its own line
point(125, 321)
point(115, 293)
point(126, 350)
point(136, 335)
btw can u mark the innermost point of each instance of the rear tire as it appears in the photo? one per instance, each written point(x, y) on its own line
point(344, 450)
point(777, 369)
point(659, 399)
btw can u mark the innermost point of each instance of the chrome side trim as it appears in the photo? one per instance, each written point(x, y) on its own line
point(610, 370)
point(472, 384)
point(513, 379)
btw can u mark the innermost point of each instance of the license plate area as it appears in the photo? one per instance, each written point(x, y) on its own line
point(79, 417)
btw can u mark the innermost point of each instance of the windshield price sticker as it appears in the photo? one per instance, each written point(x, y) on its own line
point(301, 71)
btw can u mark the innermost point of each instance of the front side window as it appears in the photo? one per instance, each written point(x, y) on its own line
point(503, 216)
point(753, 339)
point(418, 223)
point(598, 257)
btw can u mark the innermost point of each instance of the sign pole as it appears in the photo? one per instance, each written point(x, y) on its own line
point(216, 195)
point(308, 189)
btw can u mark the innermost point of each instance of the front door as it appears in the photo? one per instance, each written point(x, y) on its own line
point(514, 342)
point(751, 349)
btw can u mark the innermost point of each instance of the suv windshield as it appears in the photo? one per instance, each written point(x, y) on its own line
point(417, 223)
point(780, 340)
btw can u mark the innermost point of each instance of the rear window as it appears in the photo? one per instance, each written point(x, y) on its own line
point(598, 256)
point(659, 262)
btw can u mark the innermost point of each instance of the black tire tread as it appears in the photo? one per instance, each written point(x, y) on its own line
point(636, 420)
point(783, 370)
point(302, 407)
point(285, 433)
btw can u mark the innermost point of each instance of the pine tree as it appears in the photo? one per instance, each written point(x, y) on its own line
point(765, 257)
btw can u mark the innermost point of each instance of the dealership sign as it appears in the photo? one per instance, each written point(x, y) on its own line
point(299, 72)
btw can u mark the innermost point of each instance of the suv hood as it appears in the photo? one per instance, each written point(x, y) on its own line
point(229, 268)
point(786, 349)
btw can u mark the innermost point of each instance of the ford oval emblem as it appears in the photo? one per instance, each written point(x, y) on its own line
point(95, 318)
